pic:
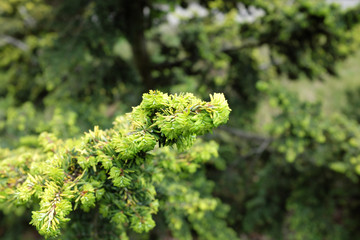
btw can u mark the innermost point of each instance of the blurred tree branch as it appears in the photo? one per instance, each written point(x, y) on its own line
point(5, 39)
point(247, 135)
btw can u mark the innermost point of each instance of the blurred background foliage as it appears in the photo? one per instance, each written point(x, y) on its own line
point(290, 157)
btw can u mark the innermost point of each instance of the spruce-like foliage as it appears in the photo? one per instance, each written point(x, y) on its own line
point(111, 171)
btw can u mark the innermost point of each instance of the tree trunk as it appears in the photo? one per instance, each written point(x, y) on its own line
point(135, 30)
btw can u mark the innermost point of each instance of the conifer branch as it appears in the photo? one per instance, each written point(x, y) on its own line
point(111, 169)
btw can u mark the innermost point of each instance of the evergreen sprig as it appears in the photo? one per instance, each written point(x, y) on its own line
point(110, 170)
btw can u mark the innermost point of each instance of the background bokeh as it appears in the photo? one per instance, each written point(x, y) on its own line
point(289, 158)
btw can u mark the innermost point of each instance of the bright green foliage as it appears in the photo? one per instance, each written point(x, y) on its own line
point(113, 171)
point(185, 199)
